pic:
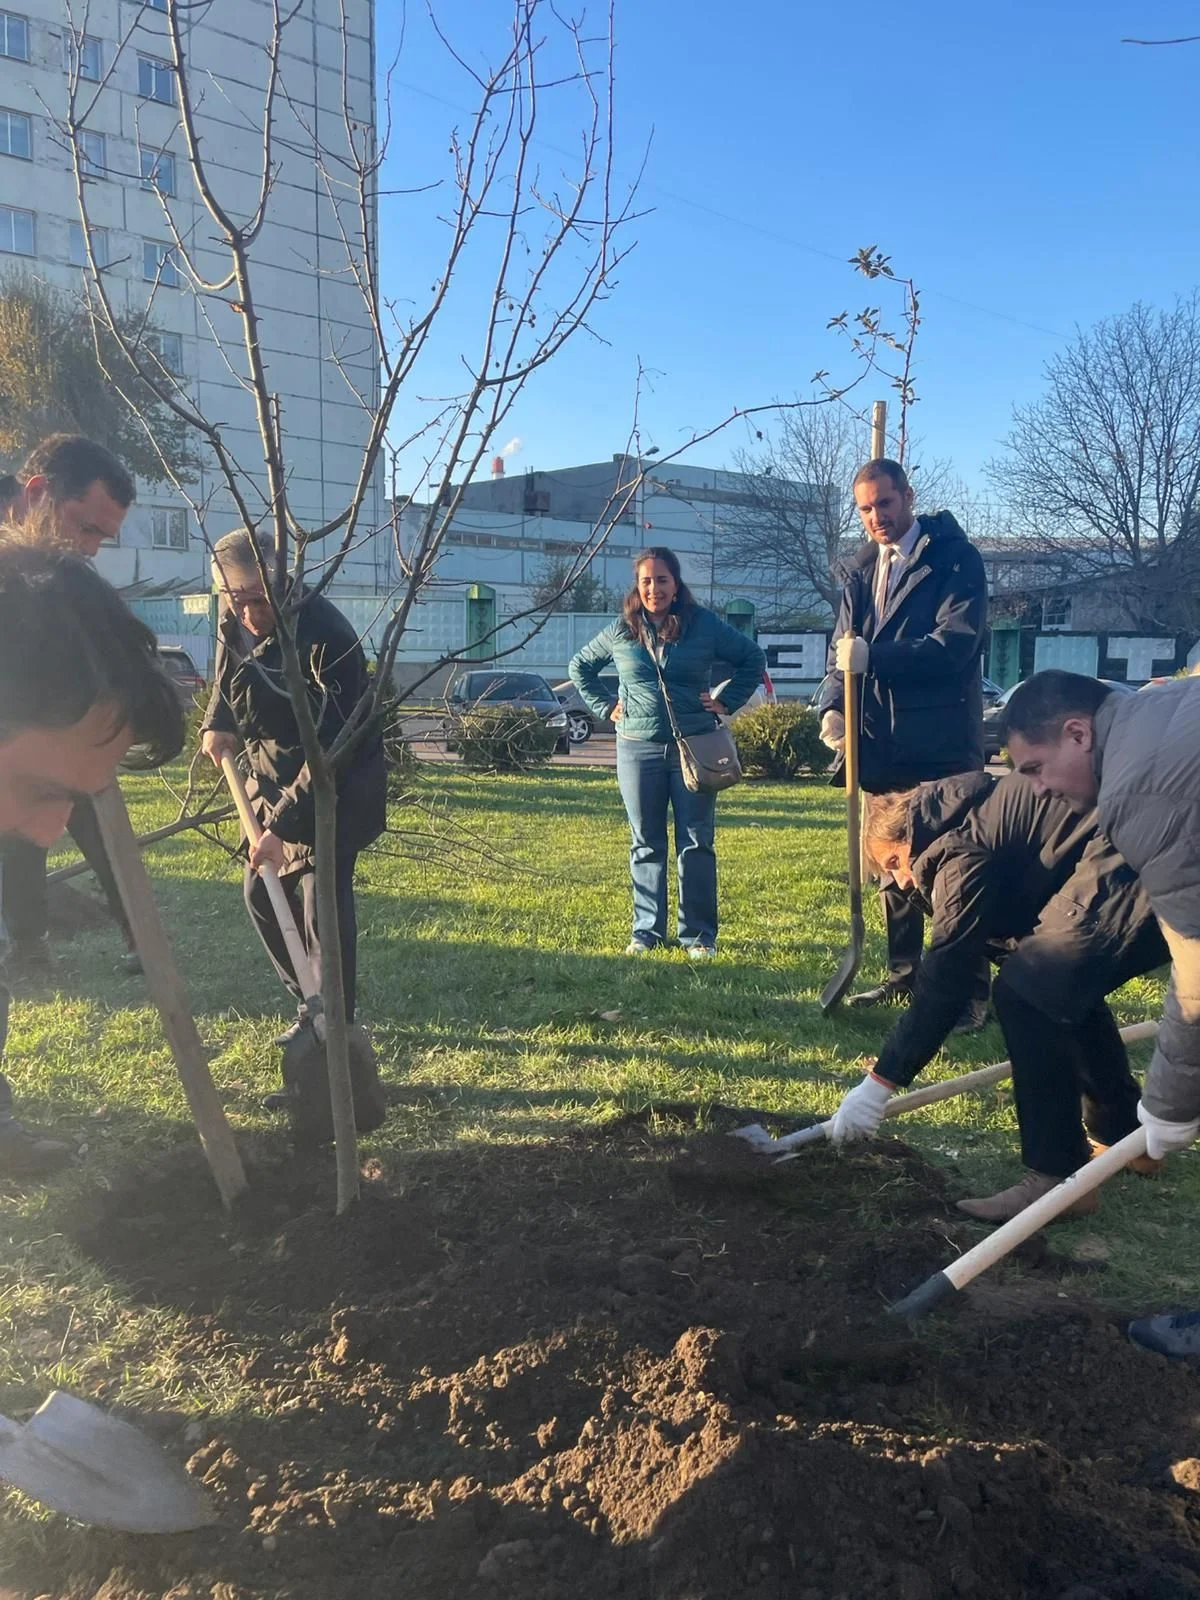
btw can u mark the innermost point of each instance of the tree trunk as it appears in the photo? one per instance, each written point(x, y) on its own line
point(333, 993)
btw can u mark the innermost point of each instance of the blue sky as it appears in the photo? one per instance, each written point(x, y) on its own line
point(1026, 168)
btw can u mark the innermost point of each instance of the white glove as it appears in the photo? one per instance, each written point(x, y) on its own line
point(852, 655)
point(861, 1112)
point(1163, 1138)
point(833, 730)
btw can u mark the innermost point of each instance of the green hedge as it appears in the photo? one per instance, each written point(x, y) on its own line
point(502, 738)
point(780, 741)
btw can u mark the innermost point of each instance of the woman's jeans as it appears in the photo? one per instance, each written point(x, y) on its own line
point(650, 779)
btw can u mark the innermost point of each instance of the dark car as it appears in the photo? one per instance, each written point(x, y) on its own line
point(495, 687)
point(991, 693)
point(181, 670)
point(993, 717)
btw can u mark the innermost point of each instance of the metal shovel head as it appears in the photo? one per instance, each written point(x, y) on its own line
point(306, 1076)
point(75, 1458)
point(836, 988)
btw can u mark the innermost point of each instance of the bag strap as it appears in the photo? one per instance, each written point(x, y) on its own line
point(662, 682)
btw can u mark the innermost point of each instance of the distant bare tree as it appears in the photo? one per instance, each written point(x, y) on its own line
point(1102, 474)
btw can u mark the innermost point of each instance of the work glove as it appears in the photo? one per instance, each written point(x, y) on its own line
point(833, 730)
point(1163, 1138)
point(852, 655)
point(861, 1112)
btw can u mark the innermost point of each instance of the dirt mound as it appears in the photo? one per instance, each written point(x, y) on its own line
point(647, 1364)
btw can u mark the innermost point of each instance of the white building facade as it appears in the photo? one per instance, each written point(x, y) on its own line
point(315, 332)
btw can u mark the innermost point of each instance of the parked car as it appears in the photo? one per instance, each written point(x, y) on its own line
point(495, 687)
point(581, 722)
point(991, 693)
point(993, 717)
point(181, 670)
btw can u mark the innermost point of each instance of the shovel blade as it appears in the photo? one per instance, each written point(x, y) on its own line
point(75, 1458)
point(835, 990)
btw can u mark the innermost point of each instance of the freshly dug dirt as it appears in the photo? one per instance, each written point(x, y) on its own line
point(643, 1364)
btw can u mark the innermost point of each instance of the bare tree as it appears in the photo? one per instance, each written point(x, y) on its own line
point(1102, 474)
point(798, 521)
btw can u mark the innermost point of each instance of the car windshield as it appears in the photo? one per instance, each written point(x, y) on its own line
point(178, 665)
point(507, 686)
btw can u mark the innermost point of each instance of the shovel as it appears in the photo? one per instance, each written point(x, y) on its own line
point(836, 988)
point(988, 1251)
point(787, 1148)
point(305, 1070)
point(75, 1458)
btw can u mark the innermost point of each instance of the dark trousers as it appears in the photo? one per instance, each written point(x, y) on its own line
point(1070, 1071)
point(1060, 1069)
point(6, 1100)
point(25, 899)
point(301, 890)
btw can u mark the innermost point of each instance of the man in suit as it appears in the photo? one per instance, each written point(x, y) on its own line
point(911, 624)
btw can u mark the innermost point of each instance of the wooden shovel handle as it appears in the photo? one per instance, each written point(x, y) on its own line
point(298, 955)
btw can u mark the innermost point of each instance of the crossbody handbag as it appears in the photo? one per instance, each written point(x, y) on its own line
point(709, 761)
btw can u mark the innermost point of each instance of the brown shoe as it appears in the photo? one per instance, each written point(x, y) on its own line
point(1144, 1166)
point(1011, 1202)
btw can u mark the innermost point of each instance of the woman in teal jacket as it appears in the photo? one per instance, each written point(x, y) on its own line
point(661, 616)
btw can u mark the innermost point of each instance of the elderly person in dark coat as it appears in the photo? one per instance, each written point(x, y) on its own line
point(912, 623)
point(250, 708)
point(1137, 758)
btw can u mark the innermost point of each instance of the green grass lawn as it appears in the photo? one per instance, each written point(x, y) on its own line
point(493, 978)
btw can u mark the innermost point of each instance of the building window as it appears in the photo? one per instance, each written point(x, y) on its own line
point(1056, 611)
point(16, 135)
point(168, 528)
point(159, 265)
point(90, 57)
point(156, 5)
point(158, 171)
point(16, 231)
point(14, 36)
point(93, 154)
point(156, 80)
point(77, 255)
point(168, 348)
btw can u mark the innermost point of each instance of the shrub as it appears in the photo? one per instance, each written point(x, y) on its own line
point(502, 738)
point(780, 741)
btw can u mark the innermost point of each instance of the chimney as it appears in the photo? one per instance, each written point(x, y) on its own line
point(497, 466)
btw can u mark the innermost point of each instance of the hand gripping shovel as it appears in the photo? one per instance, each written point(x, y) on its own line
point(836, 988)
point(789, 1146)
point(74, 1458)
point(305, 1071)
point(985, 1254)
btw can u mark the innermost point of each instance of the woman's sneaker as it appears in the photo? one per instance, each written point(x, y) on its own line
point(638, 947)
point(701, 952)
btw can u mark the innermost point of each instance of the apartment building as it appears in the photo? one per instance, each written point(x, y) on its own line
point(316, 334)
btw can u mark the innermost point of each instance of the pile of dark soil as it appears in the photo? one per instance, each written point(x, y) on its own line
point(646, 1364)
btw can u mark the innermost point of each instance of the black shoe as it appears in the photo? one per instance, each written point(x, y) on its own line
point(895, 992)
point(25, 1153)
point(281, 1100)
point(1174, 1334)
point(974, 1018)
point(131, 964)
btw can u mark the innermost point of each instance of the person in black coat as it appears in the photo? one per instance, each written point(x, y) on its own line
point(911, 622)
point(1021, 877)
point(250, 708)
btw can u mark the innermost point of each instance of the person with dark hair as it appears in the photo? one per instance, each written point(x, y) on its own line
point(1021, 878)
point(251, 709)
point(1136, 758)
point(67, 716)
point(71, 493)
point(664, 637)
point(911, 623)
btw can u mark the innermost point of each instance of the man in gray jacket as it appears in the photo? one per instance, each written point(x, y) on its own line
point(1137, 758)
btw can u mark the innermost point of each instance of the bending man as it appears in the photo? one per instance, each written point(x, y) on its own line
point(68, 714)
point(1020, 876)
point(1137, 759)
point(250, 707)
